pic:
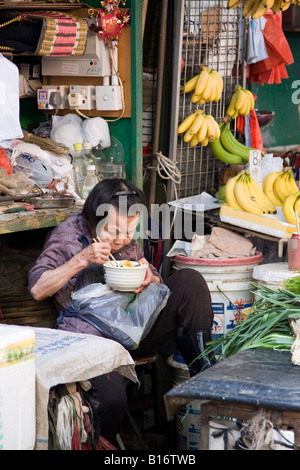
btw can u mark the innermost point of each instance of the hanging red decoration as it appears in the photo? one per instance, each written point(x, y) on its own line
point(110, 21)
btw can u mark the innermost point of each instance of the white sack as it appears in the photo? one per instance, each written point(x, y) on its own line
point(96, 131)
point(10, 127)
point(67, 130)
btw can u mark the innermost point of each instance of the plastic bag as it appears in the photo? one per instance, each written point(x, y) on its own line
point(39, 172)
point(123, 317)
point(67, 130)
point(10, 127)
point(96, 132)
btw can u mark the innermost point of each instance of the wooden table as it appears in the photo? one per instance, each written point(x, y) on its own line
point(239, 386)
point(39, 218)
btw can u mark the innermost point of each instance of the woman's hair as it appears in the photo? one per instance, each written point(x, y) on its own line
point(108, 192)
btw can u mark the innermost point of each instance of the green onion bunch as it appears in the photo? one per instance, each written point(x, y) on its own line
point(267, 325)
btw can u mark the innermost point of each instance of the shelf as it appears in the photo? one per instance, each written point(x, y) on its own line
point(40, 218)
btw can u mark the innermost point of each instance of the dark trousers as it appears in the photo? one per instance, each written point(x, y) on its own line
point(188, 309)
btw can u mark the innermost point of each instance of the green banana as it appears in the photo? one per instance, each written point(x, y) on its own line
point(222, 154)
point(232, 145)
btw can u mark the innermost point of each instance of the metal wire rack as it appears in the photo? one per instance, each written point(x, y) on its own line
point(214, 36)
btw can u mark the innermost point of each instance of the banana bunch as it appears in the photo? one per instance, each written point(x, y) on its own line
point(241, 103)
point(199, 128)
point(242, 192)
point(207, 86)
point(278, 185)
point(290, 206)
point(231, 144)
point(257, 8)
point(224, 155)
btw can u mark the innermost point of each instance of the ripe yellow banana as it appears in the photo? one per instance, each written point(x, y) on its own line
point(251, 98)
point(268, 3)
point(203, 130)
point(245, 109)
point(233, 4)
point(187, 136)
point(231, 108)
point(194, 141)
point(190, 84)
point(276, 6)
point(279, 187)
point(195, 98)
point(186, 123)
point(240, 99)
point(229, 193)
point(202, 81)
point(288, 208)
point(290, 183)
point(285, 6)
point(216, 126)
point(211, 131)
point(262, 200)
point(208, 88)
point(260, 11)
point(268, 187)
point(213, 90)
point(245, 198)
point(194, 128)
point(205, 142)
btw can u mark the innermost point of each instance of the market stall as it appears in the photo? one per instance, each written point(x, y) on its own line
point(200, 146)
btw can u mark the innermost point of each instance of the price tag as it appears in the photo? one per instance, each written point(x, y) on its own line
point(255, 166)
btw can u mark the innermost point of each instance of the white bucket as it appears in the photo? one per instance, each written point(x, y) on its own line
point(17, 388)
point(188, 420)
point(228, 283)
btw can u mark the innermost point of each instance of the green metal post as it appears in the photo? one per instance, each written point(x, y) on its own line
point(137, 91)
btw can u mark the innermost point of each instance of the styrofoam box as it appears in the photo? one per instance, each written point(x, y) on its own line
point(17, 388)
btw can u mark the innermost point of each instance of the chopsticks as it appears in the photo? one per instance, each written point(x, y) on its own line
point(97, 240)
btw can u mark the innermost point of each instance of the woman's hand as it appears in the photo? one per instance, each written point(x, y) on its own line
point(96, 253)
point(149, 278)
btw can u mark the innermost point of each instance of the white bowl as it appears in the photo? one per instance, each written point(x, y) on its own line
point(124, 279)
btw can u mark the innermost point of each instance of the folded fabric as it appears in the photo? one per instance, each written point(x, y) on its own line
point(256, 48)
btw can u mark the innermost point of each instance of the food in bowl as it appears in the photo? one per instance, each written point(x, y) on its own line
point(124, 275)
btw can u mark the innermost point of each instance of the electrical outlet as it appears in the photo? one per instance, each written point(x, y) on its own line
point(82, 97)
point(44, 96)
point(108, 98)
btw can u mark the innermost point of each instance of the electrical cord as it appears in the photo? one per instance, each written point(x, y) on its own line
point(167, 170)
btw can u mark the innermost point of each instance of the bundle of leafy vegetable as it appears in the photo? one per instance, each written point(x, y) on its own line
point(268, 324)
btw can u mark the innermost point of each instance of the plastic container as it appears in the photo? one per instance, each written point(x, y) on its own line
point(90, 181)
point(79, 163)
point(273, 275)
point(89, 155)
point(228, 283)
point(17, 388)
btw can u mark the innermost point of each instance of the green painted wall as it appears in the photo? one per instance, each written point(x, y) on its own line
point(285, 128)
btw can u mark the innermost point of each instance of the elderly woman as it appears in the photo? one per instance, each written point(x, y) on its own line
point(71, 260)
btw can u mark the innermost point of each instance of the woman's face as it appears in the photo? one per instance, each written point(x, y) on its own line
point(118, 230)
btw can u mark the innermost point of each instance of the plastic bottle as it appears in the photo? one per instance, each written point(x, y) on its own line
point(79, 163)
point(90, 181)
point(88, 152)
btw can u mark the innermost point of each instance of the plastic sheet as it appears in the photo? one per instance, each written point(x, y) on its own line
point(123, 317)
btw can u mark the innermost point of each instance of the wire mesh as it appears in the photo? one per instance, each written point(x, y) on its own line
point(212, 36)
